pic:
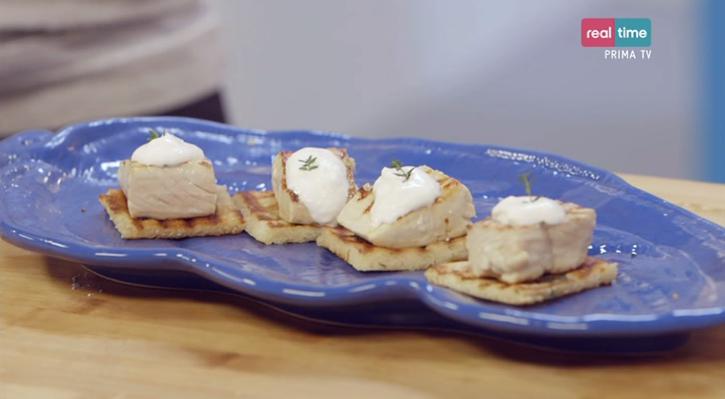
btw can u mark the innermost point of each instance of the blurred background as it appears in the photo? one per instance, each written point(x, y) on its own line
point(498, 72)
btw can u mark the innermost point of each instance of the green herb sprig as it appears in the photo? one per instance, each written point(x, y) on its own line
point(153, 134)
point(399, 171)
point(309, 163)
point(526, 180)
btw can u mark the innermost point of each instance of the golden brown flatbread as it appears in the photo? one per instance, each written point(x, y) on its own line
point(458, 277)
point(264, 223)
point(365, 256)
point(226, 220)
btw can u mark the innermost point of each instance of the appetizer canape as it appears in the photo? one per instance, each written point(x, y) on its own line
point(529, 250)
point(409, 219)
point(310, 187)
point(169, 190)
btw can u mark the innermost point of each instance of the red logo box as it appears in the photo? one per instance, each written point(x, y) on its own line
point(598, 32)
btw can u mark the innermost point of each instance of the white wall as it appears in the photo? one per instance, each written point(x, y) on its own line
point(509, 72)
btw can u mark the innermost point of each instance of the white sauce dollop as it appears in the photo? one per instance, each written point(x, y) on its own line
point(396, 197)
point(324, 189)
point(167, 150)
point(521, 211)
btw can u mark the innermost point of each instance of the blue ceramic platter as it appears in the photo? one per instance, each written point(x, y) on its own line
point(672, 263)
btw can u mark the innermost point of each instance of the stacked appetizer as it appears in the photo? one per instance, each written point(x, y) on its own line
point(169, 190)
point(529, 250)
point(310, 187)
point(409, 219)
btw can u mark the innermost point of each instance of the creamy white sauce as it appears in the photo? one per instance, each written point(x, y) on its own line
point(521, 211)
point(395, 196)
point(323, 188)
point(167, 150)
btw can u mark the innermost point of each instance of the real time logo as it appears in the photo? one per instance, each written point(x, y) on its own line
point(618, 32)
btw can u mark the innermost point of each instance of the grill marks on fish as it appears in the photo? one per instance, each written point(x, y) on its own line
point(293, 196)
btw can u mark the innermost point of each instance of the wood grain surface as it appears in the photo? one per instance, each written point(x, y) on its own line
point(65, 333)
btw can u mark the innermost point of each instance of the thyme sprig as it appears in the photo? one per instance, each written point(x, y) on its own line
point(309, 163)
point(399, 171)
point(153, 134)
point(526, 180)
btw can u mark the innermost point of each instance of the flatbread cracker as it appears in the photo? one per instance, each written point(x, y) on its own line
point(365, 256)
point(457, 276)
point(264, 223)
point(226, 220)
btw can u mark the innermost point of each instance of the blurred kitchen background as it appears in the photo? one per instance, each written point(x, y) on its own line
point(500, 72)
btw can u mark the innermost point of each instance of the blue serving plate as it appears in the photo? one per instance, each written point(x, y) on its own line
point(672, 263)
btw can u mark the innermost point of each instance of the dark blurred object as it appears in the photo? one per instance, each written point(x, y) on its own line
point(209, 108)
point(65, 61)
